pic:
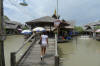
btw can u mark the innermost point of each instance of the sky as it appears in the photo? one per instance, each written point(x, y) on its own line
point(79, 11)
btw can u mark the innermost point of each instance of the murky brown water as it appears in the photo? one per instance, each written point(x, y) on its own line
point(12, 44)
point(85, 53)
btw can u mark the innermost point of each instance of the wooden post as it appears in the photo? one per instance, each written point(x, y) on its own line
point(56, 52)
point(94, 34)
point(56, 60)
point(2, 60)
point(13, 59)
point(56, 24)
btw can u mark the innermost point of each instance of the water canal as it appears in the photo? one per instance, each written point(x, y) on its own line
point(83, 52)
point(12, 44)
point(80, 52)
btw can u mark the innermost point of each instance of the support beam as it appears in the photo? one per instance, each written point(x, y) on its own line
point(2, 60)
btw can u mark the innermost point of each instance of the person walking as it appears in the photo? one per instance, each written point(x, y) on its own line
point(44, 44)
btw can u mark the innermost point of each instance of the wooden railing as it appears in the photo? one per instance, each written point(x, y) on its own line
point(13, 54)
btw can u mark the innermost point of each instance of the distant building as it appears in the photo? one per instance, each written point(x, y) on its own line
point(90, 27)
point(12, 27)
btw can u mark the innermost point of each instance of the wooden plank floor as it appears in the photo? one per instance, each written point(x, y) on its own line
point(32, 58)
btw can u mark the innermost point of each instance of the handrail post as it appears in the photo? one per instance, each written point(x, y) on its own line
point(13, 59)
point(56, 52)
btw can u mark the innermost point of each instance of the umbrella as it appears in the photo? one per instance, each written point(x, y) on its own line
point(26, 32)
point(20, 29)
point(39, 29)
point(98, 30)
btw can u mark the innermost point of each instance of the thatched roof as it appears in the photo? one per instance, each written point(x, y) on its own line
point(69, 27)
point(89, 26)
point(11, 24)
point(93, 24)
point(43, 21)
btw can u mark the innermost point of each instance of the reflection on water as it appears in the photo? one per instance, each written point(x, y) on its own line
point(12, 44)
point(85, 53)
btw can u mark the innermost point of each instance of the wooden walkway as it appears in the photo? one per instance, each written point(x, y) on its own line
point(32, 58)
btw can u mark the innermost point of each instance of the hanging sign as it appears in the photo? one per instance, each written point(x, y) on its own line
point(57, 23)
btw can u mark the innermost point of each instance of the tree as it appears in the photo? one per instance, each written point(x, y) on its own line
point(97, 27)
point(78, 28)
point(6, 18)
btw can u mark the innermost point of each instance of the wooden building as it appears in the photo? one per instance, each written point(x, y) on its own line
point(90, 28)
point(67, 30)
point(48, 23)
point(12, 27)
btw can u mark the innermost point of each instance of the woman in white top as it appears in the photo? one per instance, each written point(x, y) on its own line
point(44, 43)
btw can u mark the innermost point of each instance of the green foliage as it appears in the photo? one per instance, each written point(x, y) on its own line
point(24, 28)
point(97, 27)
point(6, 18)
point(78, 28)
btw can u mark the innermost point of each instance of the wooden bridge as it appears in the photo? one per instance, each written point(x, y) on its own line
point(31, 57)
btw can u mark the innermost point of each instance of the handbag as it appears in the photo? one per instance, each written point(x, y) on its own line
point(40, 42)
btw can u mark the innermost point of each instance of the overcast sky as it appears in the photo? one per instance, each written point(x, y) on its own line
point(80, 11)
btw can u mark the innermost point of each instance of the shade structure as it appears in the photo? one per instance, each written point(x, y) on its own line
point(98, 31)
point(26, 32)
point(39, 29)
point(93, 24)
point(69, 27)
point(44, 21)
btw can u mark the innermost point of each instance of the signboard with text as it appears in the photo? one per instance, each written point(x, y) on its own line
point(57, 23)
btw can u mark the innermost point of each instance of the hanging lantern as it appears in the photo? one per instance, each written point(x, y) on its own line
point(23, 3)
